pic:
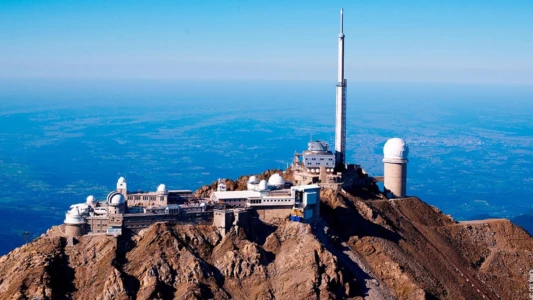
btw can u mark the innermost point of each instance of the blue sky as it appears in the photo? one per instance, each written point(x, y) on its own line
point(416, 41)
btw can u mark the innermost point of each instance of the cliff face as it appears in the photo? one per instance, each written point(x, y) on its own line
point(375, 249)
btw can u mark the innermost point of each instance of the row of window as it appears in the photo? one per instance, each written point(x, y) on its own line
point(145, 198)
point(258, 201)
point(322, 159)
point(276, 200)
point(234, 200)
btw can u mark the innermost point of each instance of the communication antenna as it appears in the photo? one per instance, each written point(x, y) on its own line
point(26, 235)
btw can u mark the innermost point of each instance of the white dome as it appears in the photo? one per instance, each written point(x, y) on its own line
point(74, 219)
point(253, 179)
point(276, 180)
point(396, 148)
point(121, 180)
point(162, 188)
point(263, 185)
point(73, 216)
point(116, 199)
point(91, 200)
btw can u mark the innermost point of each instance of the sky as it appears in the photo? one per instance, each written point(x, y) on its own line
point(481, 42)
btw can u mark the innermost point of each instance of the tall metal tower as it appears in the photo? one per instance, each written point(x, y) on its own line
point(340, 119)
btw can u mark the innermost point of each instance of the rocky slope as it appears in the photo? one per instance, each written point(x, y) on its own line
point(374, 249)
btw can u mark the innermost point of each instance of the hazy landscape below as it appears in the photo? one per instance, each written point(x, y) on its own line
point(470, 146)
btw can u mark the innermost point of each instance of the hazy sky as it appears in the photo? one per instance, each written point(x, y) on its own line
point(439, 41)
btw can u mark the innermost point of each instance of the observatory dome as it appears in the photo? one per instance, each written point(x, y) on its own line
point(73, 216)
point(276, 180)
point(115, 199)
point(253, 179)
point(91, 200)
point(161, 188)
point(396, 148)
point(121, 180)
point(263, 185)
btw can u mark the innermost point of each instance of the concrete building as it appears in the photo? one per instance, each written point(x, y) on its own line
point(160, 197)
point(272, 200)
point(317, 165)
point(395, 160)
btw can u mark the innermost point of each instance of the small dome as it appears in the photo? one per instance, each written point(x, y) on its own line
point(91, 200)
point(162, 188)
point(317, 146)
point(396, 148)
point(121, 180)
point(276, 180)
point(263, 185)
point(253, 179)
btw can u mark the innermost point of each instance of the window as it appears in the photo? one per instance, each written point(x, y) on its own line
point(162, 198)
point(137, 197)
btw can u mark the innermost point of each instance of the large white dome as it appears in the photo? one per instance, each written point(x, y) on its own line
point(396, 148)
point(276, 180)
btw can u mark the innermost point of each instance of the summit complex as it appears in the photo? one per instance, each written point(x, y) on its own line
point(296, 197)
point(322, 229)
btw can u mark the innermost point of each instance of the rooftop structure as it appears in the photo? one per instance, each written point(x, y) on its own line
point(315, 165)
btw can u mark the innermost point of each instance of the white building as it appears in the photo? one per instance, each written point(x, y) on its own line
point(318, 155)
point(272, 194)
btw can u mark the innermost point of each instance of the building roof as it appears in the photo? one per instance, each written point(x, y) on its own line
point(306, 187)
point(237, 195)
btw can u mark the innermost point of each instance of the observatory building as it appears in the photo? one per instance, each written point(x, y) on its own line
point(395, 154)
point(315, 165)
point(160, 197)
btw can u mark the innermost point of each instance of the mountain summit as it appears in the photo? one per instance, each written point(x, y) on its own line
point(363, 248)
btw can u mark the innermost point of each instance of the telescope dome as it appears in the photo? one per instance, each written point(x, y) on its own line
point(396, 148)
point(263, 185)
point(276, 181)
point(91, 200)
